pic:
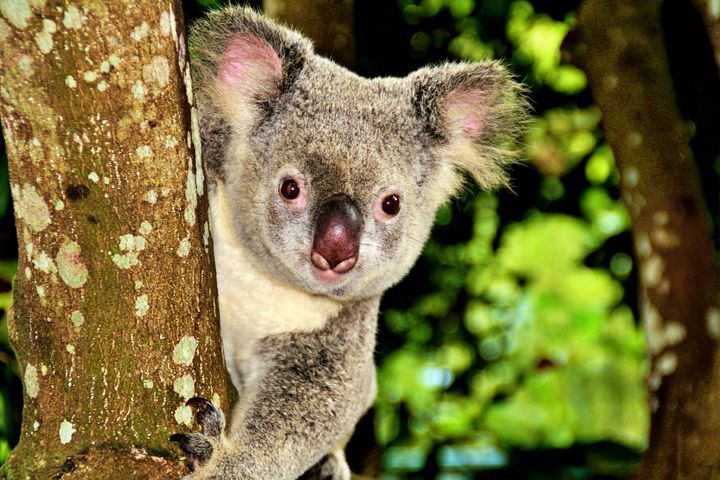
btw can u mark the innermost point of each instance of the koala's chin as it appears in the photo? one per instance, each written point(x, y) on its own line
point(362, 282)
point(352, 286)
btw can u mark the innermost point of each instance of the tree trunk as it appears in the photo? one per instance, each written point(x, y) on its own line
point(330, 24)
point(620, 46)
point(114, 319)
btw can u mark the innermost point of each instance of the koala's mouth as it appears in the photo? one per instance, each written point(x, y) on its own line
point(332, 271)
point(337, 267)
point(330, 276)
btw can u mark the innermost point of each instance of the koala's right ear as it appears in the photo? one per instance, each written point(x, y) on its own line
point(241, 65)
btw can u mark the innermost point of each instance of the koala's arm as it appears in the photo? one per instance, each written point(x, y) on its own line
point(313, 391)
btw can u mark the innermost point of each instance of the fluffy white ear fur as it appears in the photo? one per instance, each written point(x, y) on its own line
point(466, 112)
point(249, 71)
point(479, 111)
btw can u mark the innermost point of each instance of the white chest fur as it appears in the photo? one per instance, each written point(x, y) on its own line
point(253, 305)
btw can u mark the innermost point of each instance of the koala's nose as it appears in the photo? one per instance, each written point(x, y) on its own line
point(337, 235)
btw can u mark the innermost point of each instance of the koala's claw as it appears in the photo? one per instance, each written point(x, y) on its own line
point(198, 446)
point(207, 416)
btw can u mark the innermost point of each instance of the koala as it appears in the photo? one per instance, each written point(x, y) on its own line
point(323, 187)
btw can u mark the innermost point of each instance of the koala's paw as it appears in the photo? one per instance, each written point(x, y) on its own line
point(198, 446)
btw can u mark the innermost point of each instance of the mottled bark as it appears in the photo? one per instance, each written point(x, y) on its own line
point(330, 24)
point(114, 321)
point(620, 46)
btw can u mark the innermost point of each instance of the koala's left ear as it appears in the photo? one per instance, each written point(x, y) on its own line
point(474, 114)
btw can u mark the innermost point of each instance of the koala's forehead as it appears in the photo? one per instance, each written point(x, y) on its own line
point(335, 121)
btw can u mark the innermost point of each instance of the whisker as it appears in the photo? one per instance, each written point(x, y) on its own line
point(414, 239)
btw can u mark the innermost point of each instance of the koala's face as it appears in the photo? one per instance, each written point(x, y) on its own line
point(333, 180)
point(342, 191)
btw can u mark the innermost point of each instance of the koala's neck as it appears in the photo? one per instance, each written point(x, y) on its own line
point(252, 302)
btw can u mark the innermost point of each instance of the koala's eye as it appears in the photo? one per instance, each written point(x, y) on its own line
point(388, 204)
point(289, 189)
point(293, 191)
point(391, 204)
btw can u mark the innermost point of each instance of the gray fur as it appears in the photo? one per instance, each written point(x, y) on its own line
point(306, 372)
point(312, 389)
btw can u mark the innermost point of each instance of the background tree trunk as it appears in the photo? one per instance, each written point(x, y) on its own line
point(620, 46)
point(115, 321)
point(330, 24)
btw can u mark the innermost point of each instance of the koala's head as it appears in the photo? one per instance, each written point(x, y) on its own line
point(333, 180)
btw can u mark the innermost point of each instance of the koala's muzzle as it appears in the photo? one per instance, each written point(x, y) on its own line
point(337, 235)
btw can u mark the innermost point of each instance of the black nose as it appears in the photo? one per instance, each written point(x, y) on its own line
point(338, 228)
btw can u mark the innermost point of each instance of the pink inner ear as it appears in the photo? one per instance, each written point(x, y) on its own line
point(472, 125)
point(248, 58)
point(465, 109)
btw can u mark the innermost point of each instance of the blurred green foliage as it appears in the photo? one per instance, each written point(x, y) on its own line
point(9, 377)
point(543, 355)
point(8, 367)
